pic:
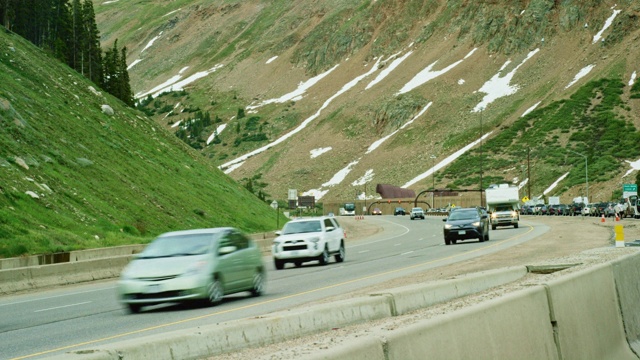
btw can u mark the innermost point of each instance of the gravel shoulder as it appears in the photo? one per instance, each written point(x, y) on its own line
point(579, 241)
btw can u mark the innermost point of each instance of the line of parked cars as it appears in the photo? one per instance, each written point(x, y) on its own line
point(576, 209)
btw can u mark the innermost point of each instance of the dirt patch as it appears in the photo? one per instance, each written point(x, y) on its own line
point(583, 241)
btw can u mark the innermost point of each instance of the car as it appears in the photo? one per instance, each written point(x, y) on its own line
point(575, 209)
point(537, 209)
point(588, 210)
point(376, 211)
point(199, 264)
point(609, 210)
point(464, 224)
point(309, 239)
point(399, 211)
point(417, 213)
point(562, 210)
point(557, 209)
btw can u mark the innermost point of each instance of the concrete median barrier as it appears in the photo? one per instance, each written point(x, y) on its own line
point(626, 273)
point(515, 326)
point(235, 335)
point(586, 315)
point(413, 297)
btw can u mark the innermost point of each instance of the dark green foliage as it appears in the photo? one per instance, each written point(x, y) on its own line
point(587, 122)
point(256, 187)
point(195, 131)
point(635, 90)
point(116, 79)
point(69, 32)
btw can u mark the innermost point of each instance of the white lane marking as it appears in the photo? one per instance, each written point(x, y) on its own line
point(64, 306)
point(406, 253)
point(56, 296)
point(398, 244)
point(363, 251)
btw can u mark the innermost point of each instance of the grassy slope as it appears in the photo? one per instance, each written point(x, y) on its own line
point(101, 180)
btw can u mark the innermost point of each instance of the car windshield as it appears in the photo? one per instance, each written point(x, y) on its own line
point(463, 215)
point(503, 208)
point(417, 209)
point(298, 227)
point(179, 245)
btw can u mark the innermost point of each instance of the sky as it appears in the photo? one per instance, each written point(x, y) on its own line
point(498, 86)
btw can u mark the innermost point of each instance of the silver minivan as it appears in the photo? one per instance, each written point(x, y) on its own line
point(202, 264)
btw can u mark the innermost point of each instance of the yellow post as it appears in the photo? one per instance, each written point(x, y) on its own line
point(619, 230)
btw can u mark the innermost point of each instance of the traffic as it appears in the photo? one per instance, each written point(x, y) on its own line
point(75, 317)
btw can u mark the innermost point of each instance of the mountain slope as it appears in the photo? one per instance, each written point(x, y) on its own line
point(75, 175)
point(529, 53)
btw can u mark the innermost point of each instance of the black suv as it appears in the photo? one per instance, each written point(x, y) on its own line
point(399, 211)
point(466, 223)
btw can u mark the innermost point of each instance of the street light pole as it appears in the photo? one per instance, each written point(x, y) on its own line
point(586, 171)
point(433, 175)
point(481, 198)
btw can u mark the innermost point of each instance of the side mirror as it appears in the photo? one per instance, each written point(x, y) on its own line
point(278, 232)
point(227, 250)
point(330, 228)
point(445, 219)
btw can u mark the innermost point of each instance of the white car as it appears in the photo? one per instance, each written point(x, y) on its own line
point(588, 210)
point(309, 239)
point(416, 213)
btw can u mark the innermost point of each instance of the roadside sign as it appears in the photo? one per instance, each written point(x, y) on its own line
point(629, 189)
point(525, 199)
point(274, 204)
point(293, 194)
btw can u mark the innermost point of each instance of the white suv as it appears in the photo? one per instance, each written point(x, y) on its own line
point(308, 239)
point(417, 213)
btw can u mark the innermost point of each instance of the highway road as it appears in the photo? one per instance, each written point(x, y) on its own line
point(39, 324)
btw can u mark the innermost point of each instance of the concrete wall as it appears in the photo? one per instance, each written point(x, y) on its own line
point(35, 277)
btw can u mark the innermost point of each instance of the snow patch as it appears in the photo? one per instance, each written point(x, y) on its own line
point(383, 74)
point(632, 80)
point(607, 23)
point(368, 176)
point(317, 152)
point(498, 86)
point(271, 59)
point(428, 74)
point(526, 112)
point(297, 93)
point(582, 73)
point(552, 186)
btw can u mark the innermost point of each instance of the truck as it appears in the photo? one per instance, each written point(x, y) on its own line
point(348, 209)
point(503, 203)
point(629, 207)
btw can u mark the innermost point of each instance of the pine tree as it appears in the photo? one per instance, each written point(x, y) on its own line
point(77, 36)
point(92, 44)
point(110, 62)
point(60, 31)
point(126, 95)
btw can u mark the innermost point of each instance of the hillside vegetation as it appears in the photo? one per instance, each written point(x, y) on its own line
point(383, 90)
point(569, 64)
point(75, 176)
